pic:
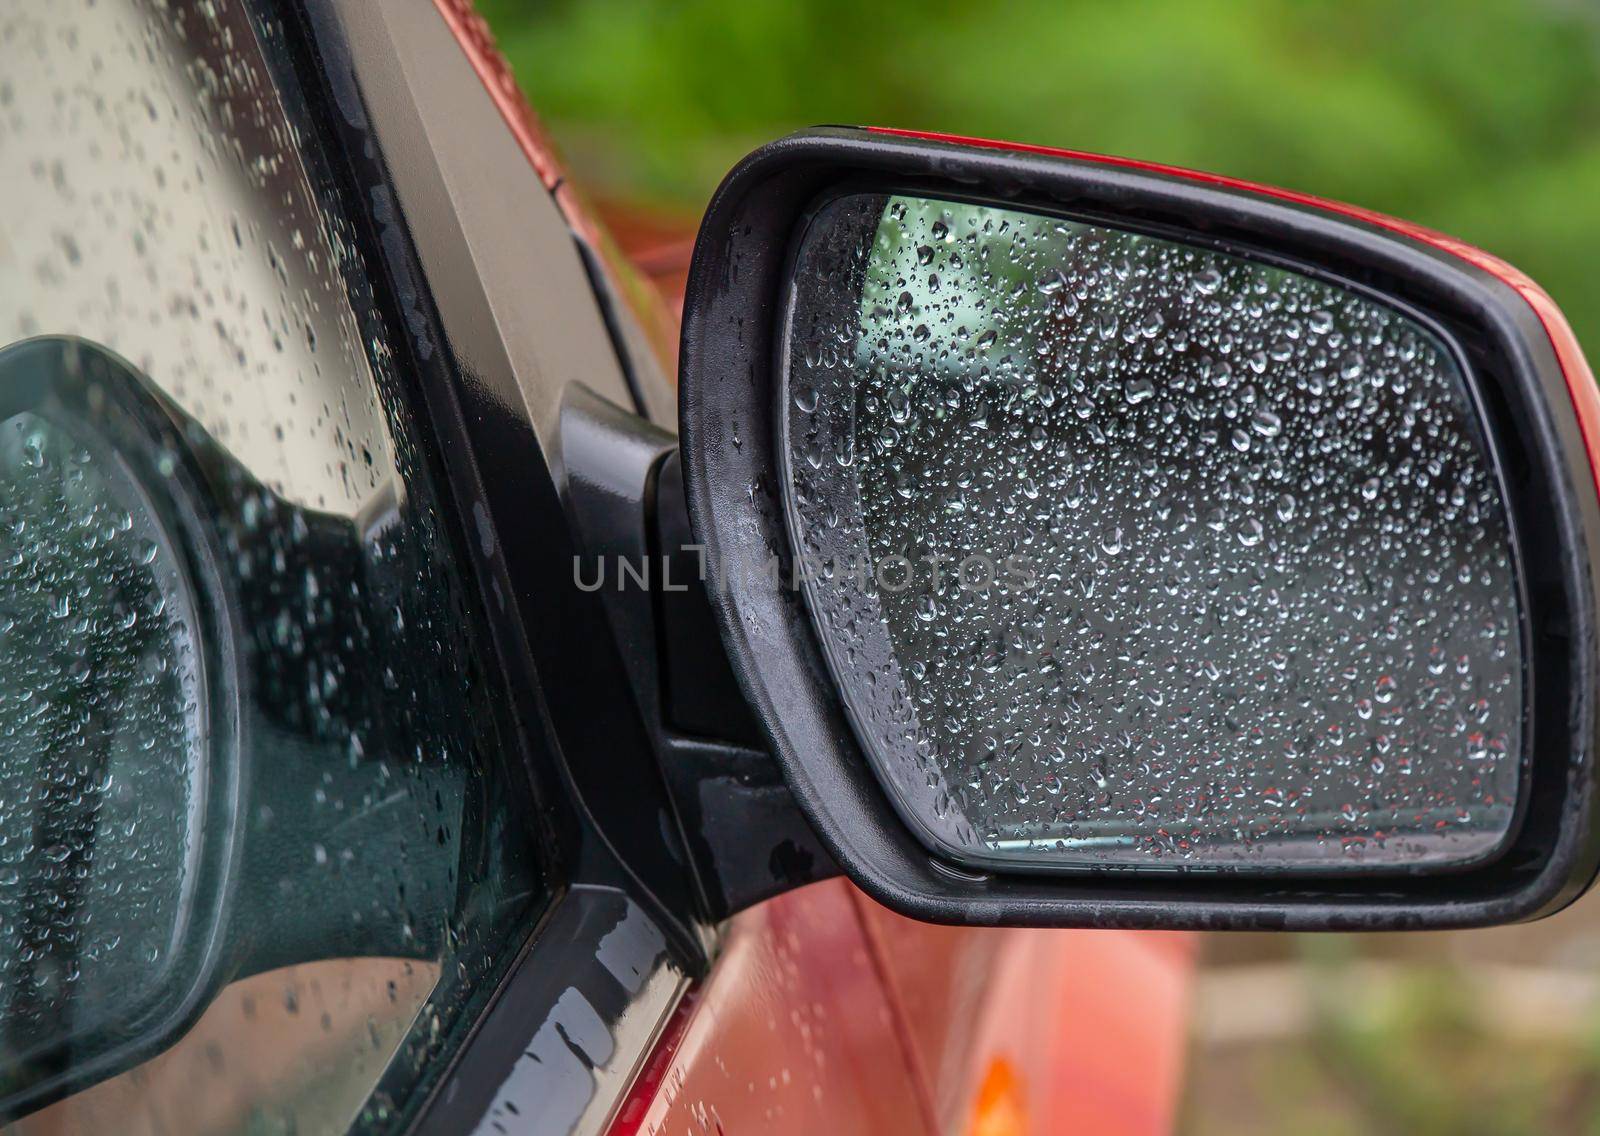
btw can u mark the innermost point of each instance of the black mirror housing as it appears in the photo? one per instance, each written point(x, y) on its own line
point(1529, 386)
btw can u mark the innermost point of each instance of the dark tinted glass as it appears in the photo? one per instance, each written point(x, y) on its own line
point(264, 844)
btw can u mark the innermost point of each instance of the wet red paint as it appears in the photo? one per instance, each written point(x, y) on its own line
point(792, 1034)
point(1090, 1025)
point(630, 1115)
point(828, 1013)
point(477, 42)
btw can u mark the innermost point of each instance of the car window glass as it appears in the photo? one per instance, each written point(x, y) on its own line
point(260, 844)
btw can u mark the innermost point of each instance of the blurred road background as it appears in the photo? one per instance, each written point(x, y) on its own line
point(1477, 117)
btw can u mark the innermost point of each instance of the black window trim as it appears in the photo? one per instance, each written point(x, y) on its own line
point(511, 522)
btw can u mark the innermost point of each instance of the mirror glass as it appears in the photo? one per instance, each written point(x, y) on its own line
point(1131, 552)
point(100, 668)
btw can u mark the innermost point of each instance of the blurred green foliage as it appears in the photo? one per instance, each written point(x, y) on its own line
point(1406, 1048)
point(1478, 117)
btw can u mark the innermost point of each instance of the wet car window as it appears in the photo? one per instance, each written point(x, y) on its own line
point(261, 843)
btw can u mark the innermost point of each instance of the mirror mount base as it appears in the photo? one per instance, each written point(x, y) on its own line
point(746, 837)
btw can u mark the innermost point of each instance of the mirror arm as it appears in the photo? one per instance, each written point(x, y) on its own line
point(746, 836)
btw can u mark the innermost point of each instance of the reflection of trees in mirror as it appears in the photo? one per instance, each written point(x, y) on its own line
point(1278, 619)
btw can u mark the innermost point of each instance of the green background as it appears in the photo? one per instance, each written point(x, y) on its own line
point(1477, 117)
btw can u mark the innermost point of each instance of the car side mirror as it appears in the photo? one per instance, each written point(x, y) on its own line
point(1100, 544)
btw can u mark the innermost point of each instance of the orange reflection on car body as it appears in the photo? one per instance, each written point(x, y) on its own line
point(1091, 1024)
point(1000, 1109)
